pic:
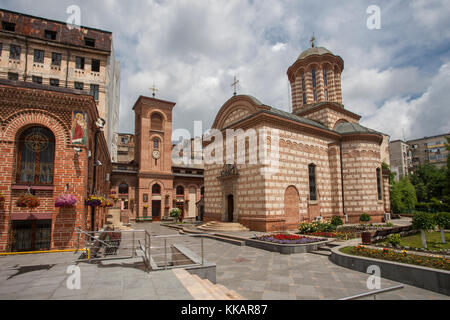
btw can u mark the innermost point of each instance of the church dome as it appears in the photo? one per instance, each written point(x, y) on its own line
point(314, 51)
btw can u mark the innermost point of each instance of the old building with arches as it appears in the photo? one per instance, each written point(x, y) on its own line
point(329, 165)
point(48, 139)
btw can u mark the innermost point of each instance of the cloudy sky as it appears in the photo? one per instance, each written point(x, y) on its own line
point(397, 77)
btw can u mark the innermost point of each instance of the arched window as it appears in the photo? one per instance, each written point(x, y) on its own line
point(314, 83)
point(157, 122)
point(123, 188)
point(303, 88)
point(325, 83)
point(156, 189)
point(379, 189)
point(180, 191)
point(36, 156)
point(312, 182)
point(156, 144)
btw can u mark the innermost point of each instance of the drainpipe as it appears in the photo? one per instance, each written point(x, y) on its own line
point(342, 184)
point(94, 182)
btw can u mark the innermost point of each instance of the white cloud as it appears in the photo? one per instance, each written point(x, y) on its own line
point(192, 49)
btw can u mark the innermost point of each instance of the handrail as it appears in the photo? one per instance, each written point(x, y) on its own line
point(373, 293)
point(92, 237)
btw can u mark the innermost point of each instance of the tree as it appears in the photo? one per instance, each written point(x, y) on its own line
point(446, 195)
point(429, 182)
point(403, 196)
point(442, 220)
point(423, 221)
point(176, 213)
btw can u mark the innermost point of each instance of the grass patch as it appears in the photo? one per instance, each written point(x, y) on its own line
point(401, 257)
point(433, 241)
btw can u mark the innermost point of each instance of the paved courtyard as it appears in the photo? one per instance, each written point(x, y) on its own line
point(253, 273)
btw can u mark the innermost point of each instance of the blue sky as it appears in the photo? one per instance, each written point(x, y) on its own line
point(397, 78)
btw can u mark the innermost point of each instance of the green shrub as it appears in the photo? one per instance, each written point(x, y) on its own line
point(394, 239)
point(336, 221)
point(316, 226)
point(175, 213)
point(423, 221)
point(442, 220)
point(364, 217)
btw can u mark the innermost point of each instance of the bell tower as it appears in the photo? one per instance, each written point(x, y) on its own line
point(315, 77)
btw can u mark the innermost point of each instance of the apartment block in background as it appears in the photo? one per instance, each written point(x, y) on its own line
point(48, 53)
point(401, 160)
point(430, 150)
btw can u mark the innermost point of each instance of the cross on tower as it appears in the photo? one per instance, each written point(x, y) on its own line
point(235, 84)
point(312, 41)
point(154, 90)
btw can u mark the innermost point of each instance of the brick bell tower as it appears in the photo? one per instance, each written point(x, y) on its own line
point(315, 79)
point(153, 154)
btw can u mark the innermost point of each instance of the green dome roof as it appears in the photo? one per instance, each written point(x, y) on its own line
point(313, 51)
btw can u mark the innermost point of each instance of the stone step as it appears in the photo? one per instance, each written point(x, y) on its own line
point(321, 252)
point(215, 291)
point(239, 243)
point(194, 287)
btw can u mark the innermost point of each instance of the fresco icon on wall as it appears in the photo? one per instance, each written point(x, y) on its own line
point(79, 128)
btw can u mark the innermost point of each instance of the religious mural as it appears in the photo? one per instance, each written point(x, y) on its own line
point(79, 128)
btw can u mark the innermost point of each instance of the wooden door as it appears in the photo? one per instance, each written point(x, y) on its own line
point(156, 210)
point(230, 208)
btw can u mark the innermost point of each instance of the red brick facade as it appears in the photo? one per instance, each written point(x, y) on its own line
point(22, 107)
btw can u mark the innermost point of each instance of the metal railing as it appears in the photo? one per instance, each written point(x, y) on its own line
point(160, 252)
point(373, 293)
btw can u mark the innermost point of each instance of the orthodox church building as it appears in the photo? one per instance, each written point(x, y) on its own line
point(329, 164)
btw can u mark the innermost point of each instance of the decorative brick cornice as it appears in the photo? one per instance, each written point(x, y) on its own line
point(308, 109)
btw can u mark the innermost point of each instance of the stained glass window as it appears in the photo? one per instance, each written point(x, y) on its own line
point(312, 182)
point(36, 156)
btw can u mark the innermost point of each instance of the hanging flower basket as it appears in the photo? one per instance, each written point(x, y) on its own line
point(109, 203)
point(94, 201)
point(28, 201)
point(66, 201)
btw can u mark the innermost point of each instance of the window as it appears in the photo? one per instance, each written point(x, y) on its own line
point(312, 182)
point(37, 80)
point(13, 76)
point(180, 191)
point(156, 189)
point(50, 35)
point(89, 42)
point(54, 82)
point(156, 144)
point(36, 155)
point(94, 91)
point(202, 191)
point(14, 52)
point(325, 83)
point(8, 26)
point(145, 197)
point(303, 88)
point(156, 122)
point(380, 193)
point(95, 67)
point(56, 59)
point(38, 56)
point(79, 85)
point(314, 82)
point(124, 140)
point(123, 188)
point(79, 63)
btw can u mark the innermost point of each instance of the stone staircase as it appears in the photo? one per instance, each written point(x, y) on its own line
point(203, 289)
point(326, 249)
point(222, 226)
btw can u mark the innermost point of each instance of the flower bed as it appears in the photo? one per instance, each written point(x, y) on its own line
point(288, 239)
point(402, 257)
